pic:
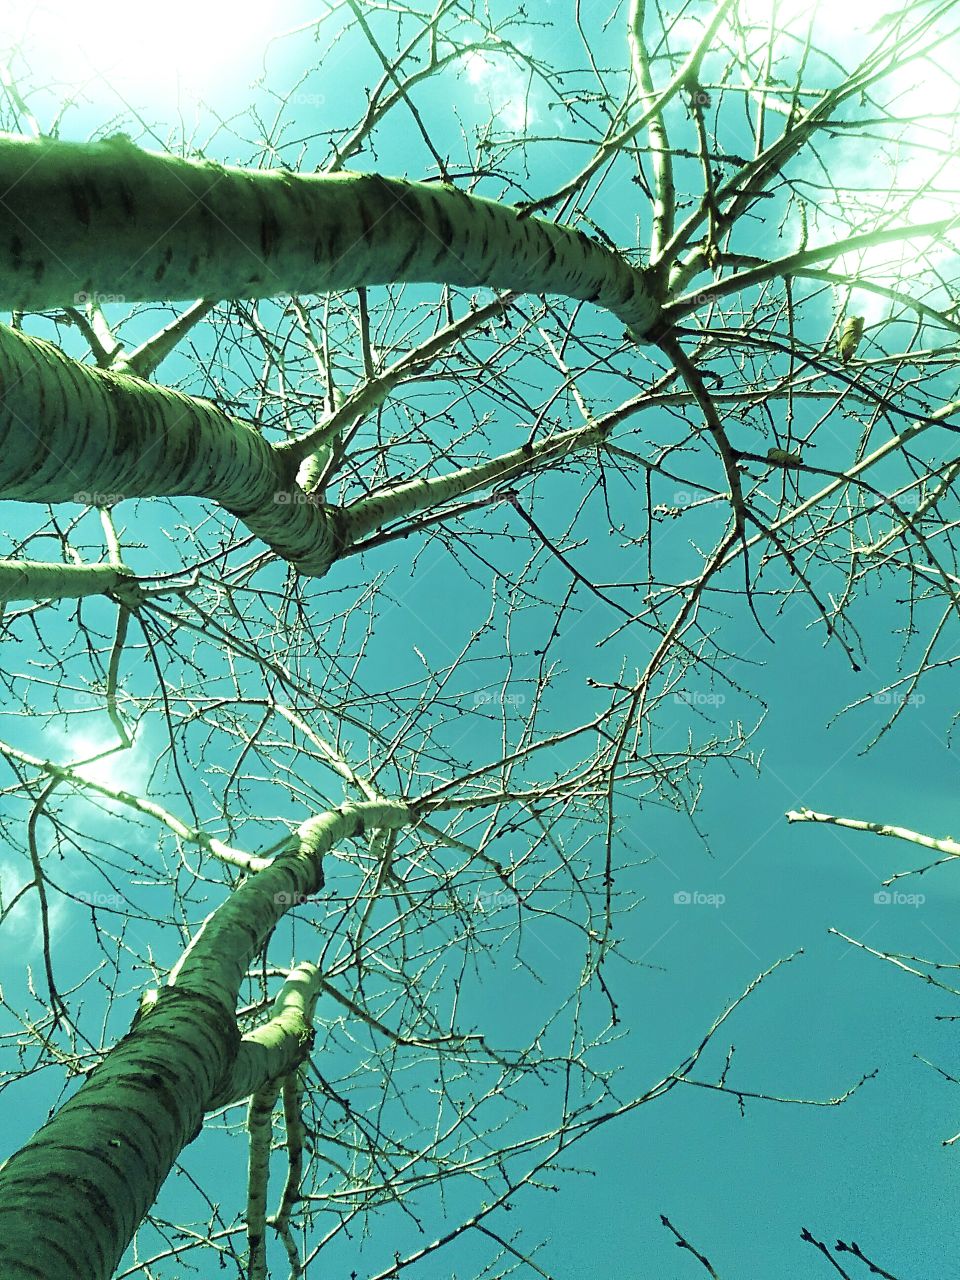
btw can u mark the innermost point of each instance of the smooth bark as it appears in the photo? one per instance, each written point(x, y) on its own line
point(37, 580)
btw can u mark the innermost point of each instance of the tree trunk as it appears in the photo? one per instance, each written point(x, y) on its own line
point(107, 221)
point(37, 580)
point(72, 433)
point(72, 1198)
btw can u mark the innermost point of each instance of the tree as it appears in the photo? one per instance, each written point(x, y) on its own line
point(329, 423)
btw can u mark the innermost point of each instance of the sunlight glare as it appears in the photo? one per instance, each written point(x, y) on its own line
point(147, 53)
point(120, 770)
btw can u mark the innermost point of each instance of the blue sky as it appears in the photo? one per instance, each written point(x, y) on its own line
point(740, 1187)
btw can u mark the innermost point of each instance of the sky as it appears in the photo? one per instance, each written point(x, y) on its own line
point(713, 910)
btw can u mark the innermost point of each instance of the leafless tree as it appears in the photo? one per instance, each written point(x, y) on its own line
point(715, 372)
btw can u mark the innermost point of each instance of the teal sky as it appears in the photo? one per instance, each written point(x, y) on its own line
point(739, 1185)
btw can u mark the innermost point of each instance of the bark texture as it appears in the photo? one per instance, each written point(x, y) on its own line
point(72, 1198)
point(38, 580)
point(106, 219)
point(73, 433)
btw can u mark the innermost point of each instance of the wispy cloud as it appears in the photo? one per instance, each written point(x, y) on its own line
point(502, 89)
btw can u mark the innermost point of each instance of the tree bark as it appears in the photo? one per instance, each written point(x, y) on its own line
point(72, 1198)
point(38, 580)
point(105, 220)
point(73, 433)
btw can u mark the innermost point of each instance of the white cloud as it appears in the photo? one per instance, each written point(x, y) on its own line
point(501, 89)
point(120, 770)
